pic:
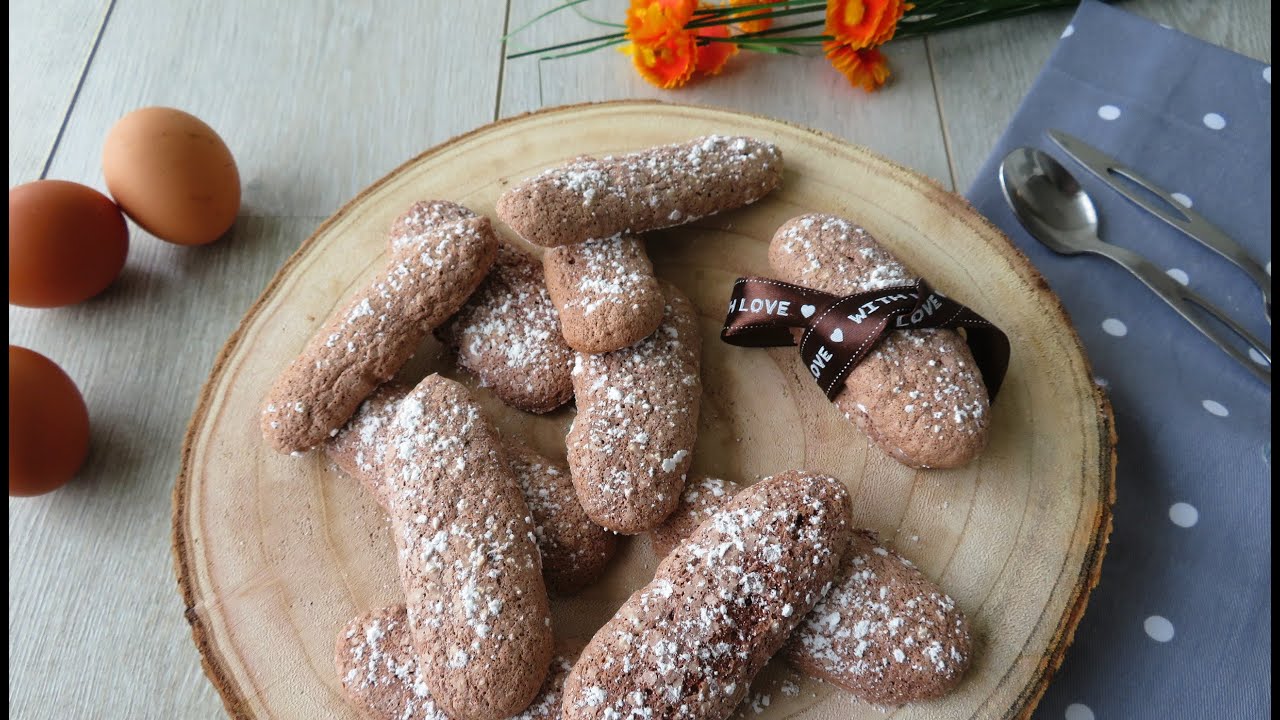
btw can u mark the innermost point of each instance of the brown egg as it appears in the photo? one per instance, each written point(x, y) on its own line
point(173, 175)
point(67, 242)
point(48, 425)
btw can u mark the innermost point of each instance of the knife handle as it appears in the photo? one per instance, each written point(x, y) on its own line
point(1187, 304)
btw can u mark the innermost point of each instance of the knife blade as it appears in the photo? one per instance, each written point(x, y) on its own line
point(1188, 221)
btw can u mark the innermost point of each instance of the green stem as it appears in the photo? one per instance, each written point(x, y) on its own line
point(783, 29)
point(742, 40)
point(739, 9)
point(725, 20)
point(539, 16)
point(583, 51)
point(620, 37)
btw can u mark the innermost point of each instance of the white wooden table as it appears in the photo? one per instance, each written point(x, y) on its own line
point(317, 100)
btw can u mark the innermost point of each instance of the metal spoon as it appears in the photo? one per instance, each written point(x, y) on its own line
point(1052, 206)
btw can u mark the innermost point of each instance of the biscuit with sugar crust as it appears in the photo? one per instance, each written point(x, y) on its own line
point(688, 644)
point(605, 291)
point(434, 268)
point(378, 667)
point(508, 334)
point(632, 440)
point(575, 551)
point(884, 631)
point(919, 395)
point(591, 198)
point(469, 562)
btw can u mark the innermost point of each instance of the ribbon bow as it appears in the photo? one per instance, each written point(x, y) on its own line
point(839, 332)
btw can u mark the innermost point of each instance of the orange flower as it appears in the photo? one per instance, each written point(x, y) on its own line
point(649, 20)
point(750, 26)
point(667, 62)
point(865, 67)
point(864, 23)
point(713, 55)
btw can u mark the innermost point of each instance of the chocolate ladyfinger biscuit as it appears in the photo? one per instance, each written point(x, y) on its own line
point(630, 445)
point(409, 227)
point(379, 670)
point(508, 334)
point(688, 644)
point(433, 271)
point(575, 551)
point(884, 631)
point(918, 395)
point(359, 448)
point(469, 564)
point(606, 293)
point(701, 498)
point(663, 186)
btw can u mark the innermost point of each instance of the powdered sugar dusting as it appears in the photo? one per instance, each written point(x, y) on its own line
point(378, 667)
point(640, 191)
point(431, 267)
point(637, 418)
point(688, 644)
point(662, 172)
point(471, 569)
point(902, 634)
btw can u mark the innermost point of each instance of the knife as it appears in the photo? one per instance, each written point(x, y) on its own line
point(1191, 223)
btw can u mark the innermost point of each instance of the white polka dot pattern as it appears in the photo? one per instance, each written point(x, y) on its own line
point(1158, 628)
point(1183, 515)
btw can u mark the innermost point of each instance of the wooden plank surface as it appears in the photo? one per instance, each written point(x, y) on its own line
point(316, 104)
point(49, 48)
point(900, 122)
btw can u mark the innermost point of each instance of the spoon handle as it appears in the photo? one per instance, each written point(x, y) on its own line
point(1185, 302)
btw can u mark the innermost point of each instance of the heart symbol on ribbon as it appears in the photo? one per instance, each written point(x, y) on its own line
point(758, 318)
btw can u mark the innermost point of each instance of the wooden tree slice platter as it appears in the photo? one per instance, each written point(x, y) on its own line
point(275, 553)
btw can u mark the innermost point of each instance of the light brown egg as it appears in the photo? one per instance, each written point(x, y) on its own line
point(67, 243)
point(48, 425)
point(173, 175)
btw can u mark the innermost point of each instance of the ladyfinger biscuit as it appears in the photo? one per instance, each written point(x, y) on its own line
point(700, 499)
point(436, 267)
point(359, 448)
point(379, 670)
point(606, 293)
point(688, 644)
point(575, 551)
point(655, 188)
point(884, 631)
point(469, 564)
point(508, 334)
point(918, 395)
point(409, 227)
point(630, 445)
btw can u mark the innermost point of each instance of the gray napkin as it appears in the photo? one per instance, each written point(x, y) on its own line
point(1180, 625)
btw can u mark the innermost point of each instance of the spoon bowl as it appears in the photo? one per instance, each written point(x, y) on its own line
point(1049, 201)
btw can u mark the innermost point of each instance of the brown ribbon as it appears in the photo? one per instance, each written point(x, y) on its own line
point(840, 331)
